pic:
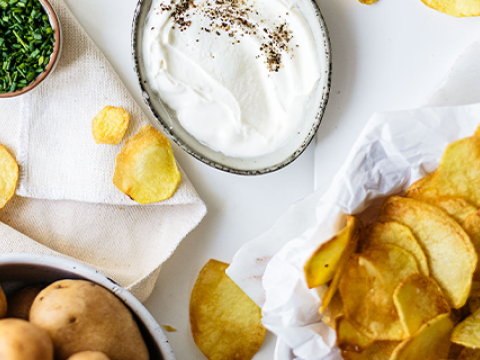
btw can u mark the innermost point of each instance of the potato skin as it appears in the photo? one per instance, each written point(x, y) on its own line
point(89, 355)
point(21, 340)
point(3, 304)
point(82, 316)
point(20, 302)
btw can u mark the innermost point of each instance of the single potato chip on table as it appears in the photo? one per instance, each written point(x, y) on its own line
point(457, 8)
point(397, 234)
point(109, 126)
point(418, 300)
point(8, 176)
point(367, 290)
point(146, 169)
point(430, 342)
point(451, 255)
point(225, 322)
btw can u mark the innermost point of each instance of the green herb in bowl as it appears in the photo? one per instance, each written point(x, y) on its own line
point(26, 43)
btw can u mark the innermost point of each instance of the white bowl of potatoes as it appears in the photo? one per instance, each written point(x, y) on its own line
point(58, 309)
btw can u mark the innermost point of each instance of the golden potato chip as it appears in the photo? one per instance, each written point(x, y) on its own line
point(469, 354)
point(418, 299)
point(146, 169)
point(430, 342)
point(8, 176)
point(388, 346)
point(367, 290)
point(396, 234)
point(349, 338)
point(472, 228)
point(109, 126)
point(368, 2)
point(425, 189)
point(225, 322)
point(457, 8)
point(333, 310)
point(459, 170)
point(467, 333)
point(322, 265)
point(451, 256)
point(373, 352)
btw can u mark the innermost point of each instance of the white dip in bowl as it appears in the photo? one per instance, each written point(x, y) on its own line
point(238, 74)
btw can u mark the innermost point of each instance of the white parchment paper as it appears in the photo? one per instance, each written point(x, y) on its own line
point(394, 150)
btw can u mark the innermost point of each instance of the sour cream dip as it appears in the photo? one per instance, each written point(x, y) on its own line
point(237, 73)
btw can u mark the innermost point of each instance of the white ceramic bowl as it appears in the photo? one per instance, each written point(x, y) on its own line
point(20, 270)
point(244, 166)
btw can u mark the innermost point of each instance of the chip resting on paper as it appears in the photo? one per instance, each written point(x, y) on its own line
point(225, 322)
point(8, 176)
point(146, 169)
point(451, 255)
point(109, 126)
point(457, 8)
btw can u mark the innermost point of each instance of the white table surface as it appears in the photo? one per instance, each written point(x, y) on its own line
point(387, 56)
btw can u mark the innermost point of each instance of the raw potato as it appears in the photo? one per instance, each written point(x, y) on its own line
point(367, 290)
point(109, 126)
point(20, 302)
point(3, 303)
point(418, 300)
point(146, 169)
point(8, 176)
point(21, 340)
point(89, 355)
point(397, 234)
point(82, 316)
point(459, 170)
point(467, 333)
point(451, 255)
point(457, 8)
point(225, 322)
point(431, 342)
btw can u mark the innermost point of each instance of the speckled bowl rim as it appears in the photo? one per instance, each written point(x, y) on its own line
point(178, 140)
point(57, 50)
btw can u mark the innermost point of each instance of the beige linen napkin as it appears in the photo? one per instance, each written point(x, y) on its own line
point(66, 202)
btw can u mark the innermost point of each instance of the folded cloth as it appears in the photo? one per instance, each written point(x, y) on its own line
point(66, 202)
point(394, 149)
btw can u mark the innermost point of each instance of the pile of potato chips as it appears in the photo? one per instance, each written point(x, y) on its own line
point(408, 285)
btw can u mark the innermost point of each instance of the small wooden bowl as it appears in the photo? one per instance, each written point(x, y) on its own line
point(57, 49)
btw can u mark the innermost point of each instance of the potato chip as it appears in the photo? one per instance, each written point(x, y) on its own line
point(418, 299)
point(388, 346)
point(146, 169)
point(349, 338)
point(8, 176)
point(322, 265)
point(109, 126)
point(430, 342)
point(457, 8)
point(367, 290)
point(333, 310)
point(469, 354)
point(472, 228)
point(396, 234)
point(225, 322)
point(373, 352)
point(425, 189)
point(451, 256)
point(467, 333)
point(459, 170)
